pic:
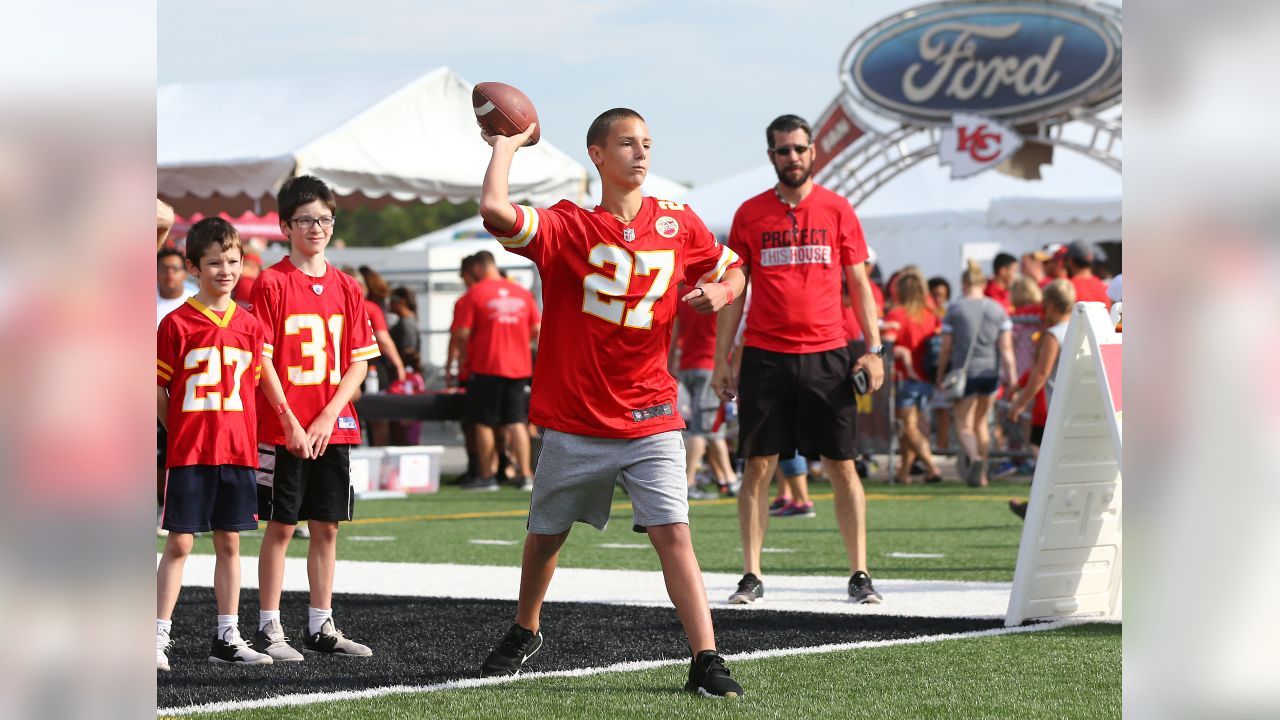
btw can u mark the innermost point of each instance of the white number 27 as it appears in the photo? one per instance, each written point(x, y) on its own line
point(596, 287)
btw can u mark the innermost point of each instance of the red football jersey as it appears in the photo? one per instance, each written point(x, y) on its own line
point(501, 316)
point(377, 318)
point(211, 366)
point(316, 327)
point(609, 299)
point(697, 337)
point(796, 257)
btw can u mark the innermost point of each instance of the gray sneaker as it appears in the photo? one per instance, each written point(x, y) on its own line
point(697, 493)
point(331, 641)
point(272, 641)
point(488, 484)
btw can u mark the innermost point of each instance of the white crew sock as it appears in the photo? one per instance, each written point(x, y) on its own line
point(229, 623)
point(163, 627)
point(316, 618)
point(266, 616)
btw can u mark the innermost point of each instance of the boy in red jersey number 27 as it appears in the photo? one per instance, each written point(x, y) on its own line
point(601, 387)
point(209, 354)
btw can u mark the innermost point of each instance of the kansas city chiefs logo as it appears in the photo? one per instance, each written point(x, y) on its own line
point(667, 226)
point(974, 143)
point(317, 289)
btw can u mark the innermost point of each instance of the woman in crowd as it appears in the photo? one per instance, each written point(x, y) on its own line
point(977, 340)
point(909, 325)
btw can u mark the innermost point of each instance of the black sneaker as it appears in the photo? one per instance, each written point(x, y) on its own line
point(331, 641)
point(710, 678)
point(516, 647)
point(489, 484)
point(861, 590)
point(750, 589)
point(235, 651)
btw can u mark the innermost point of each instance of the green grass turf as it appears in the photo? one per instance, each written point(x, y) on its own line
point(1067, 673)
point(972, 528)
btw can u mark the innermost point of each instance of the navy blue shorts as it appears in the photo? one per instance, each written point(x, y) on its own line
point(983, 385)
point(200, 498)
point(913, 393)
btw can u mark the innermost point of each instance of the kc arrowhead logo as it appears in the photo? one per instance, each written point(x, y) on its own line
point(974, 143)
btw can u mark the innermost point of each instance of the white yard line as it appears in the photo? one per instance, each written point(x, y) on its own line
point(796, 593)
point(314, 698)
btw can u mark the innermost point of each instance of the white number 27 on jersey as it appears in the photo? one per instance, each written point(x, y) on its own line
point(213, 360)
point(600, 292)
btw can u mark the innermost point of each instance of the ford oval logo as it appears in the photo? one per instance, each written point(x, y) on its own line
point(1018, 62)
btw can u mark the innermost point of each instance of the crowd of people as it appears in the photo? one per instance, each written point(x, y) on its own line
point(657, 338)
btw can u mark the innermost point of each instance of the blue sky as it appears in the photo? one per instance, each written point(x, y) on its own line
point(708, 76)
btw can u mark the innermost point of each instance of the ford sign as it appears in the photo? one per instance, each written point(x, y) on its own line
point(1015, 61)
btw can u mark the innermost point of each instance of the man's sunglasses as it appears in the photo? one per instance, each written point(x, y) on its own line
point(786, 150)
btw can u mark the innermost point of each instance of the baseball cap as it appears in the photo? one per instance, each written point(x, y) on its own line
point(1080, 251)
point(1040, 255)
point(871, 255)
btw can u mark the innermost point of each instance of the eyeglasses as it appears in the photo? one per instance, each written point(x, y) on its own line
point(306, 223)
point(786, 150)
point(172, 268)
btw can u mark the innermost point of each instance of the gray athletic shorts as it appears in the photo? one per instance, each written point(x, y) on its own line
point(699, 404)
point(576, 474)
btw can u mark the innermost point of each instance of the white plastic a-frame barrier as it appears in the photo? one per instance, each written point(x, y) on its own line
point(1069, 558)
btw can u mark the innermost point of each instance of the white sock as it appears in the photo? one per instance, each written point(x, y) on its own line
point(316, 618)
point(163, 627)
point(229, 623)
point(266, 616)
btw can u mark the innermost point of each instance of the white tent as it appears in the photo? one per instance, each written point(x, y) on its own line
point(923, 217)
point(227, 146)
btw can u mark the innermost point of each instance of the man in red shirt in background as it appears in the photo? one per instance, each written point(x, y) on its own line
point(1002, 272)
point(695, 338)
point(497, 322)
point(1079, 257)
point(798, 241)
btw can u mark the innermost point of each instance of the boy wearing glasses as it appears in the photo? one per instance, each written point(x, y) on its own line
point(797, 241)
point(320, 342)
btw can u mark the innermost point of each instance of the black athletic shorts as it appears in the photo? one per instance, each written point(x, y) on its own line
point(200, 498)
point(1037, 435)
point(791, 403)
point(494, 400)
point(318, 489)
point(162, 446)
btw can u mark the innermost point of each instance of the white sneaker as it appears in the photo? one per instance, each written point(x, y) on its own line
point(232, 649)
point(163, 643)
point(302, 531)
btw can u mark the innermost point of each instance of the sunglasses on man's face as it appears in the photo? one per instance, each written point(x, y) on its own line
point(786, 150)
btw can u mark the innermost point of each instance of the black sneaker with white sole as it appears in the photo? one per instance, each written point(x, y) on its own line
point(710, 678)
point(331, 641)
point(231, 649)
point(750, 590)
point(515, 648)
point(862, 591)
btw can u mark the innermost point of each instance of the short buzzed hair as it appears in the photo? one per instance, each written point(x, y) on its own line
point(598, 133)
point(786, 124)
point(484, 259)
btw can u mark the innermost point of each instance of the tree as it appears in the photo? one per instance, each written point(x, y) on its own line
point(386, 226)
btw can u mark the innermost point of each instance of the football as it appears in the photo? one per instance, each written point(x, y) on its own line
point(504, 110)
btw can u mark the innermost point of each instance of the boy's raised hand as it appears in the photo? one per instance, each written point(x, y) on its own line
point(513, 142)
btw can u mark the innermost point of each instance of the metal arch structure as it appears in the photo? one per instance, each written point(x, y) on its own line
point(875, 159)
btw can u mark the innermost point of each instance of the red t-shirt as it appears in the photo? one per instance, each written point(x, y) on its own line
point(911, 333)
point(464, 363)
point(316, 327)
point(697, 338)
point(1090, 289)
point(501, 316)
point(377, 318)
point(998, 293)
point(796, 258)
point(609, 299)
point(210, 365)
point(244, 289)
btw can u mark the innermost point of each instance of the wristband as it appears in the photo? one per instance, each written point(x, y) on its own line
point(282, 408)
point(728, 291)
